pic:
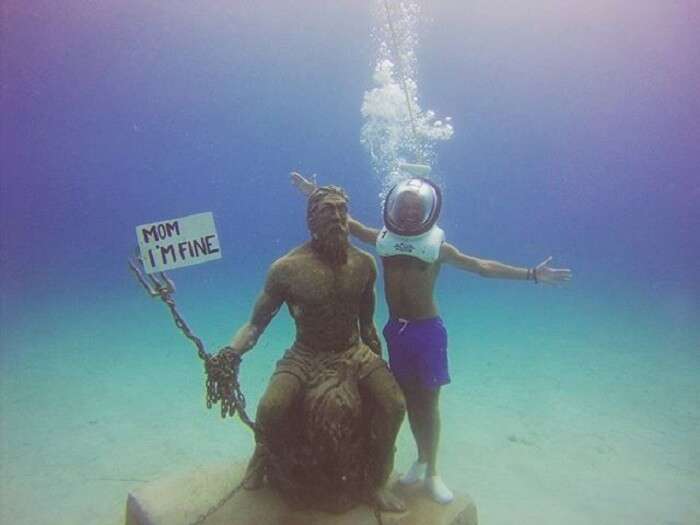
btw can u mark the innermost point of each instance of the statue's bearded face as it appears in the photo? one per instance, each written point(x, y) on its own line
point(328, 224)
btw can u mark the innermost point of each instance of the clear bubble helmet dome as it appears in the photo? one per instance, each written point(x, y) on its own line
point(412, 207)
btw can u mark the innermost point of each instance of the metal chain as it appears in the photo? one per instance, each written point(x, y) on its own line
point(221, 369)
point(203, 517)
point(181, 324)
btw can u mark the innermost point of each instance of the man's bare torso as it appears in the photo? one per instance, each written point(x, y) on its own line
point(409, 285)
point(324, 300)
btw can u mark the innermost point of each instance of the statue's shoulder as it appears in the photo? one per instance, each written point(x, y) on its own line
point(292, 259)
point(364, 258)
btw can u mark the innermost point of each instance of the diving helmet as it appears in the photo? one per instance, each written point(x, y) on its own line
point(412, 207)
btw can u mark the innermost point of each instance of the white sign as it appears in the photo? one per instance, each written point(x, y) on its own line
point(179, 242)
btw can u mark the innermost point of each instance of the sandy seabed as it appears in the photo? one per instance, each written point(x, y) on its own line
point(595, 421)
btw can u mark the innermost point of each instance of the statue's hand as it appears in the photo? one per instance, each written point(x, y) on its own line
point(304, 185)
point(230, 356)
point(547, 275)
point(375, 346)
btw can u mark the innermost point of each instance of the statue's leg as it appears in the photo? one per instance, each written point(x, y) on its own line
point(273, 408)
point(389, 409)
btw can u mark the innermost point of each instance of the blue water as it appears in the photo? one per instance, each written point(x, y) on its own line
point(576, 131)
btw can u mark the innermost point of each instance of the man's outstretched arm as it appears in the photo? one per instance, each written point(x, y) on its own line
point(364, 233)
point(266, 307)
point(541, 273)
point(357, 229)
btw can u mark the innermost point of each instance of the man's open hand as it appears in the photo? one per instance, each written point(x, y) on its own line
point(547, 275)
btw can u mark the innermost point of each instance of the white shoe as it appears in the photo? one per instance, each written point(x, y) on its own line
point(414, 474)
point(438, 490)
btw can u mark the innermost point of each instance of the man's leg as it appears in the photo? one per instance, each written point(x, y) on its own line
point(424, 417)
point(273, 409)
point(424, 412)
point(417, 470)
point(381, 387)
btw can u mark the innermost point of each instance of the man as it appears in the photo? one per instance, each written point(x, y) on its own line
point(413, 248)
point(328, 286)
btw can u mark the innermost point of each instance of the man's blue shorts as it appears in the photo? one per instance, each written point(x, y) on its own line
point(418, 351)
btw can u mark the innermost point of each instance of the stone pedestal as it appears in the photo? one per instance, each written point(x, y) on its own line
point(183, 498)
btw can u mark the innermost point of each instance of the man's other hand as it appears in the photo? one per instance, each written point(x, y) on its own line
point(304, 185)
point(547, 275)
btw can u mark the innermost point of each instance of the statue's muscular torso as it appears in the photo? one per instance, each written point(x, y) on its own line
point(326, 302)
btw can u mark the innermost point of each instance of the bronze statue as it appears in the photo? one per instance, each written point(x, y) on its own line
point(326, 425)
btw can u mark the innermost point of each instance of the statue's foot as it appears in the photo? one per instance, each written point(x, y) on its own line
point(254, 477)
point(438, 490)
point(387, 501)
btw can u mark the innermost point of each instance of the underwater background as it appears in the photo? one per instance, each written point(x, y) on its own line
point(576, 129)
